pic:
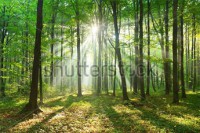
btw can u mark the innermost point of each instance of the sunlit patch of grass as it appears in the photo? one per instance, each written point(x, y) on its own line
point(90, 113)
point(23, 126)
point(124, 109)
point(82, 105)
point(9, 108)
point(98, 123)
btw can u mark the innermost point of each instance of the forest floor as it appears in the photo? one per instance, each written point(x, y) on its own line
point(92, 114)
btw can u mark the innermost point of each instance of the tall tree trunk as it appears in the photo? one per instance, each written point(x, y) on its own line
point(100, 47)
point(167, 63)
point(78, 49)
point(135, 85)
point(106, 67)
point(118, 52)
point(53, 21)
point(52, 48)
point(72, 52)
point(115, 73)
point(162, 43)
point(175, 63)
point(32, 105)
point(194, 55)
point(61, 55)
point(3, 36)
point(186, 51)
point(148, 62)
point(131, 57)
point(27, 39)
point(95, 64)
point(141, 76)
point(188, 56)
point(41, 82)
point(182, 53)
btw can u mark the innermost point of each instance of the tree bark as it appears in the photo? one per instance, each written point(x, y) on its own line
point(141, 76)
point(136, 38)
point(167, 63)
point(194, 55)
point(175, 63)
point(3, 36)
point(118, 52)
point(41, 82)
point(100, 47)
point(182, 53)
point(148, 61)
point(78, 49)
point(32, 105)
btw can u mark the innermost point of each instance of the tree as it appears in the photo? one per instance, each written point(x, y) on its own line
point(100, 46)
point(117, 49)
point(78, 47)
point(148, 61)
point(182, 51)
point(3, 37)
point(167, 52)
point(175, 63)
point(141, 76)
point(193, 68)
point(32, 105)
point(136, 39)
point(53, 21)
point(41, 81)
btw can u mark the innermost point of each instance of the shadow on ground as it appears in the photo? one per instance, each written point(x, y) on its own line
point(110, 114)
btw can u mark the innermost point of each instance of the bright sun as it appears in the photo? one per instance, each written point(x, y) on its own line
point(94, 29)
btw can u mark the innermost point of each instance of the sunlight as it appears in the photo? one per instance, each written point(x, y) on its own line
point(94, 28)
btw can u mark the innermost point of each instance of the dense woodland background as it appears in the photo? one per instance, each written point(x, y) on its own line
point(115, 55)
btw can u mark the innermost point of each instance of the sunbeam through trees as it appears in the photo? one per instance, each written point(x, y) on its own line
point(98, 66)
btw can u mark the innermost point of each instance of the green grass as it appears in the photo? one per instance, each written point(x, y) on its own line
point(104, 114)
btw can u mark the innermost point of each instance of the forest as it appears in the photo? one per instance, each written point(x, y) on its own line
point(95, 66)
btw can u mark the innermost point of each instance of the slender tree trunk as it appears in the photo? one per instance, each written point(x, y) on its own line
point(61, 55)
point(53, 21)
point(100, 48)
point(118, 52)
point(194, 54)
point(106, 68)
point(163, 46)
point(95, 64)
point(152, 80)
point(175, 63)
point(131, 56)
point(3, 36)
point(27, 39)
point(135, 87)
point(32, 105)
point(72, 52)
point(141, 76)
point(186, 52)
point(78, 49)
point(182, 53)
point(167, 63)
point(52, 48)
point(148, 61)
point(41, 82)
point(188, 55)
point(115, 74)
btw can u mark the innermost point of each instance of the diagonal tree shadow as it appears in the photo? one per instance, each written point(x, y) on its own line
point(23, 117)
point(170, 125)
point(122, 122)
point(104, 105)
point(66, 104)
